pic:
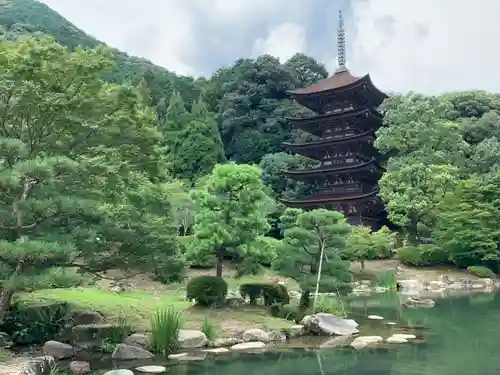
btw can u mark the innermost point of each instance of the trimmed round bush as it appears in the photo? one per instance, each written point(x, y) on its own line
point(422, 255)
point(481, 271)
point(272, 293)
point(207, 290)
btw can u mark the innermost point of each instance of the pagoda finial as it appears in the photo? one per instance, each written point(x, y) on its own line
point(341, 59)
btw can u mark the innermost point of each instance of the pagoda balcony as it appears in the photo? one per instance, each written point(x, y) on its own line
point(339, 122)
point(324, 149)
point(341, 90)
point(367, 170)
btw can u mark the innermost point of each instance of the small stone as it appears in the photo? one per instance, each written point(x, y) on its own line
point(375, 317)
point(396, 340)
point(217, 351)
point(58, 350)
point(195, 357)
point(152, 369)
point(177, 356)
point(254, 345)
point(219, 343)
point(79, 367)
point(119, 372)
point(392, 323)
point(295, 330)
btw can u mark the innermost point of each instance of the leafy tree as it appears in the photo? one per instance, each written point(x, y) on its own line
point(231, 213)
point(305, 70)
point(315, 238)
point(76, 158)
point(362, 244)
point(183, 209)
point(412, 190)
point(469, 225)
point(273, 165)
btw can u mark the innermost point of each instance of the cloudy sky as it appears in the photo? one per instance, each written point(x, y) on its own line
point(429, 46)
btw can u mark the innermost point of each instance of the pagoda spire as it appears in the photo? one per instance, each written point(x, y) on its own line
point(341, 55)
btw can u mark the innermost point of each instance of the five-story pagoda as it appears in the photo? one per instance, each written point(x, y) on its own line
point(346, 176)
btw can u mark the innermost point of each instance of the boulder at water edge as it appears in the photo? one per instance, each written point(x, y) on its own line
point(191, 339)
point(79, 367)
point(58, 350)
point(329, 324)
point(256, 335)
point(127, 352)
point(5, 341)
point(141, 340)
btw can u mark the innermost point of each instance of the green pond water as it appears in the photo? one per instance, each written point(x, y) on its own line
point(459, 336)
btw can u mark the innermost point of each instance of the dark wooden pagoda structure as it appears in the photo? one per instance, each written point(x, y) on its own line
point(346, 176)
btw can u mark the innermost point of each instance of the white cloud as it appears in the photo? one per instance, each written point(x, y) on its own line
point(282, 41)
point(423, 45)
point(427, 45)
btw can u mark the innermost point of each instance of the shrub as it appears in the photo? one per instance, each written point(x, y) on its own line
point(207, 290)
point(481, 271)
point(165, 326)
point(36, 324)
point(209, 329)
point(422, 255)
point(273, 293)
point(121, 329)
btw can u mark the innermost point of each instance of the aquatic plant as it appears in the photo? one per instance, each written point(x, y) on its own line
point(165, 326)
point(209, 328)
point(387, 280)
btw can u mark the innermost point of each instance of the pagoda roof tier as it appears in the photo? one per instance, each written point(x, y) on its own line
point(368, 168)
point(363, 118)
point(317, 149)
point(341, 84)
point(324, 199)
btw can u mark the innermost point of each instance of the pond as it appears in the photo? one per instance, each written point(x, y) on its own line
point(459, 336)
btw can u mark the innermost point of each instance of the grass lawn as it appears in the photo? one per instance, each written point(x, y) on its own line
point(138, 305)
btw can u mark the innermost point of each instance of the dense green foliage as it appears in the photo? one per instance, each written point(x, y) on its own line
point(207, 290)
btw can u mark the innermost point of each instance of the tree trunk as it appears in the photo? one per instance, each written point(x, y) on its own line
point(220, 261)
point(5, 301)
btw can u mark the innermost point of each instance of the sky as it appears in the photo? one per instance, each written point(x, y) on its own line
point(428, 46)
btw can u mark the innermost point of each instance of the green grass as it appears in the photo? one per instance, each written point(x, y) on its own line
point(139, 306)
point(209, 328)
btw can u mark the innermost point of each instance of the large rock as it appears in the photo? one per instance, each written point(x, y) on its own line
point(190, 339)
point(92, 335)
point(127, 352)
point(87, 317)
point(140, 340)
point(362, 341)
point(410, 286)
point(329, 324)
point(256, 335)
point(58, 350)
point(5, 341)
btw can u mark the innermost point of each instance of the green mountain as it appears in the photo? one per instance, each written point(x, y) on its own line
point(18, 17)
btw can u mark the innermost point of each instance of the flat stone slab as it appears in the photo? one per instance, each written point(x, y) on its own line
point(406, 336)
point(396, 340)
point(375, 317)
point(177, 355)
point(119, 372)
point(254, 345)
point(151, 369)
point(362, 341)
